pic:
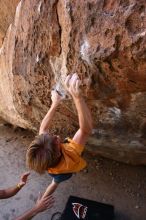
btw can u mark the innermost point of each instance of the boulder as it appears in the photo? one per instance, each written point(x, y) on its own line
point(105, 42)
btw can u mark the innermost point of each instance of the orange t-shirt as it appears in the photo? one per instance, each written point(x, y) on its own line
point(71, 160)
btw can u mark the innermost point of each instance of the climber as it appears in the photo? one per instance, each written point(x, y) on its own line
point(48, 153)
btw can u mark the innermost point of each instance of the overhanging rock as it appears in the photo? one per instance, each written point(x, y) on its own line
point(105, 42)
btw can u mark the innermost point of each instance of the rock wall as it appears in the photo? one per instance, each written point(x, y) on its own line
point(105, 42)
point(7, 12)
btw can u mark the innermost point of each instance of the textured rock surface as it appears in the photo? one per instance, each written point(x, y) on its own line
point(7, 12)
point(105, 42)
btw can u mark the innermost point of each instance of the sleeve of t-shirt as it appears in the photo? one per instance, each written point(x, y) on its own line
point(58, 178)
point(77, 147)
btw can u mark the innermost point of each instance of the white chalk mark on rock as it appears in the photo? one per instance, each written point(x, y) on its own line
point(142, 34)
point(39, 7)
point(85, 51)
point(115, 112)
point(37, 58)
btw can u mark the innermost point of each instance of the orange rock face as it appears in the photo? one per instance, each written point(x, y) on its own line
point(7, 12)
point(105, 42)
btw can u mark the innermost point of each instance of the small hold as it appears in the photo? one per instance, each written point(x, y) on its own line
point(142, 14)
point(111, 174)
point(9, 139)
point(137, 207)
point(37, 58)
point(85, 170)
